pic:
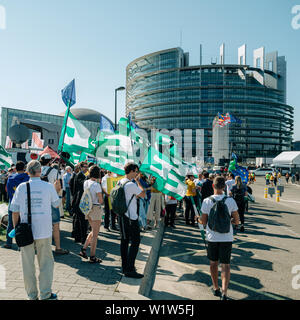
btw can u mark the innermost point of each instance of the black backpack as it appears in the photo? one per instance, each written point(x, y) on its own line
point(219, 219)
point(45, 177)
point(118, 199)
point(238, 194)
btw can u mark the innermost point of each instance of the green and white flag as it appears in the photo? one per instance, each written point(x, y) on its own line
point(115, 149)
point(77, 137)
point(5, 159)
point(169, 179)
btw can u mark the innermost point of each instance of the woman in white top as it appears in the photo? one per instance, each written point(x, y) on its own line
point(95, 215)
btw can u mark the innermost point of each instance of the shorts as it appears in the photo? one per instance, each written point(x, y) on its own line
point(55, 215)
point(219, 251)
point(95, 214)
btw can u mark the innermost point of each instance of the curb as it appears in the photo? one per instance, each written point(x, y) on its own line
point(146, 262)
point(151, 265)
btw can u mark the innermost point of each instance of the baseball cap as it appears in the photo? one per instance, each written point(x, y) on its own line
point(46, 156)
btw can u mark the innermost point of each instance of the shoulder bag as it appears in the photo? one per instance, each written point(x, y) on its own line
point(24, 236)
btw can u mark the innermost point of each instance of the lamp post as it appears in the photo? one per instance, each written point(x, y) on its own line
point(116, 91)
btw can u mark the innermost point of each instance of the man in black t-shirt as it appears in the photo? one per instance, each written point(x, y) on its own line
point(207, 189)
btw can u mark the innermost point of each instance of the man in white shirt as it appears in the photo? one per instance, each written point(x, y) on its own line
point(219, 244)
point(43, 196)
point(229, 183)
point(129, 224)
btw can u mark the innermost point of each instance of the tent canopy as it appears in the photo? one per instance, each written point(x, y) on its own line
point(287, 158)
point(52, 153)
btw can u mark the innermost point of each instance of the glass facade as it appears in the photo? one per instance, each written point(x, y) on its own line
point(163, 92)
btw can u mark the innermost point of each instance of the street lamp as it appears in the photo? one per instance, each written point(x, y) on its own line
point(116, 90)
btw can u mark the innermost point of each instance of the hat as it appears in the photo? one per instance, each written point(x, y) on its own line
point(46, 156)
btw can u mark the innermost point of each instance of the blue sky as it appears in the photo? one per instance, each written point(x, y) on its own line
point(48, 43)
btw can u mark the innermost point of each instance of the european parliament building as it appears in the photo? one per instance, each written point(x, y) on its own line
point(164, 92)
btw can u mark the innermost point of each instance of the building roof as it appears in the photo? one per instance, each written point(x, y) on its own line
point(287, 158)
point(86, 114)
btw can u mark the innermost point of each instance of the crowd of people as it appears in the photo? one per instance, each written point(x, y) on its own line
point(274, 178)
point(56, 188)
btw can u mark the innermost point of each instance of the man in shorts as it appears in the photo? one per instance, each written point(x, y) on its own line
point(219, 244)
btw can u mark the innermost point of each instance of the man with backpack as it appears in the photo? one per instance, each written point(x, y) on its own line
point(124, 204)
point(51, 175)
point(218, 212)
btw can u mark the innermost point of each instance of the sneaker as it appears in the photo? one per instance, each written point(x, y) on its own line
point(133, 274)
point(107, 229)
point(224, 297)
point(173, 226)
point(52, 297)
point(216, 293)
point(7, 246)
point(242, 229)
point(114, 228)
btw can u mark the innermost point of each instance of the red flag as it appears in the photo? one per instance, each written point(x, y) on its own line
point(36, 140)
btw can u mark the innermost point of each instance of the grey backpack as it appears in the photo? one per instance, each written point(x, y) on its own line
point(118, 199)
point(219, 218)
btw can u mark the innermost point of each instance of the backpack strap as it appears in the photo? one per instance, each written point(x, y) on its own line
point(212, 199)
point(28, 203)
point(48, 171)
point(225, 198)
point(130, 199)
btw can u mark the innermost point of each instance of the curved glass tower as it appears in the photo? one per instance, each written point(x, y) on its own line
point(164, 92)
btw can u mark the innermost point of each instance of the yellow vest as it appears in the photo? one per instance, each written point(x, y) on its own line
point(191, 189)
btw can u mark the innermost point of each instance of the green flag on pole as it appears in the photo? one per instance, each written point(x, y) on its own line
point(77, 137)
point(5, 159)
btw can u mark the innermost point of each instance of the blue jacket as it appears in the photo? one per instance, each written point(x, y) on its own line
point(13, 182)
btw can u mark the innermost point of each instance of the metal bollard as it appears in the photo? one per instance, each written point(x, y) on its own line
point(266, 193)
point(277, 195)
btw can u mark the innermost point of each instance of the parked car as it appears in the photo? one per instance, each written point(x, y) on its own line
point(262, 171)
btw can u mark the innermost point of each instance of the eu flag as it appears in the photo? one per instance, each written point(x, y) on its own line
point(235, 120)
point(242, 172)
point(106, 125)
point(69, 95)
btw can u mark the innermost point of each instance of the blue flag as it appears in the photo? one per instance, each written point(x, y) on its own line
point(235, 120)
point(106, 125)
point(242, 172)
point(69, 95)
point(133, 125)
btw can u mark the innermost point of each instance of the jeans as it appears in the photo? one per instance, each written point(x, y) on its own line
point(130, 232)
point(143, 212)
point(68, 199)
point(170, 214)
point(10, 227)
point(189, 208)
point(109, 214)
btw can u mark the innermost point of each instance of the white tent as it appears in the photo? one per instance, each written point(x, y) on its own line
point(287, 159)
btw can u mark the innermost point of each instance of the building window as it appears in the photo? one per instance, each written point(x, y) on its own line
point(258, 63)
point(271, 65)
point(50, 141)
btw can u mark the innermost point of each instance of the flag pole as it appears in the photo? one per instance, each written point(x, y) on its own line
point(65, 123)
